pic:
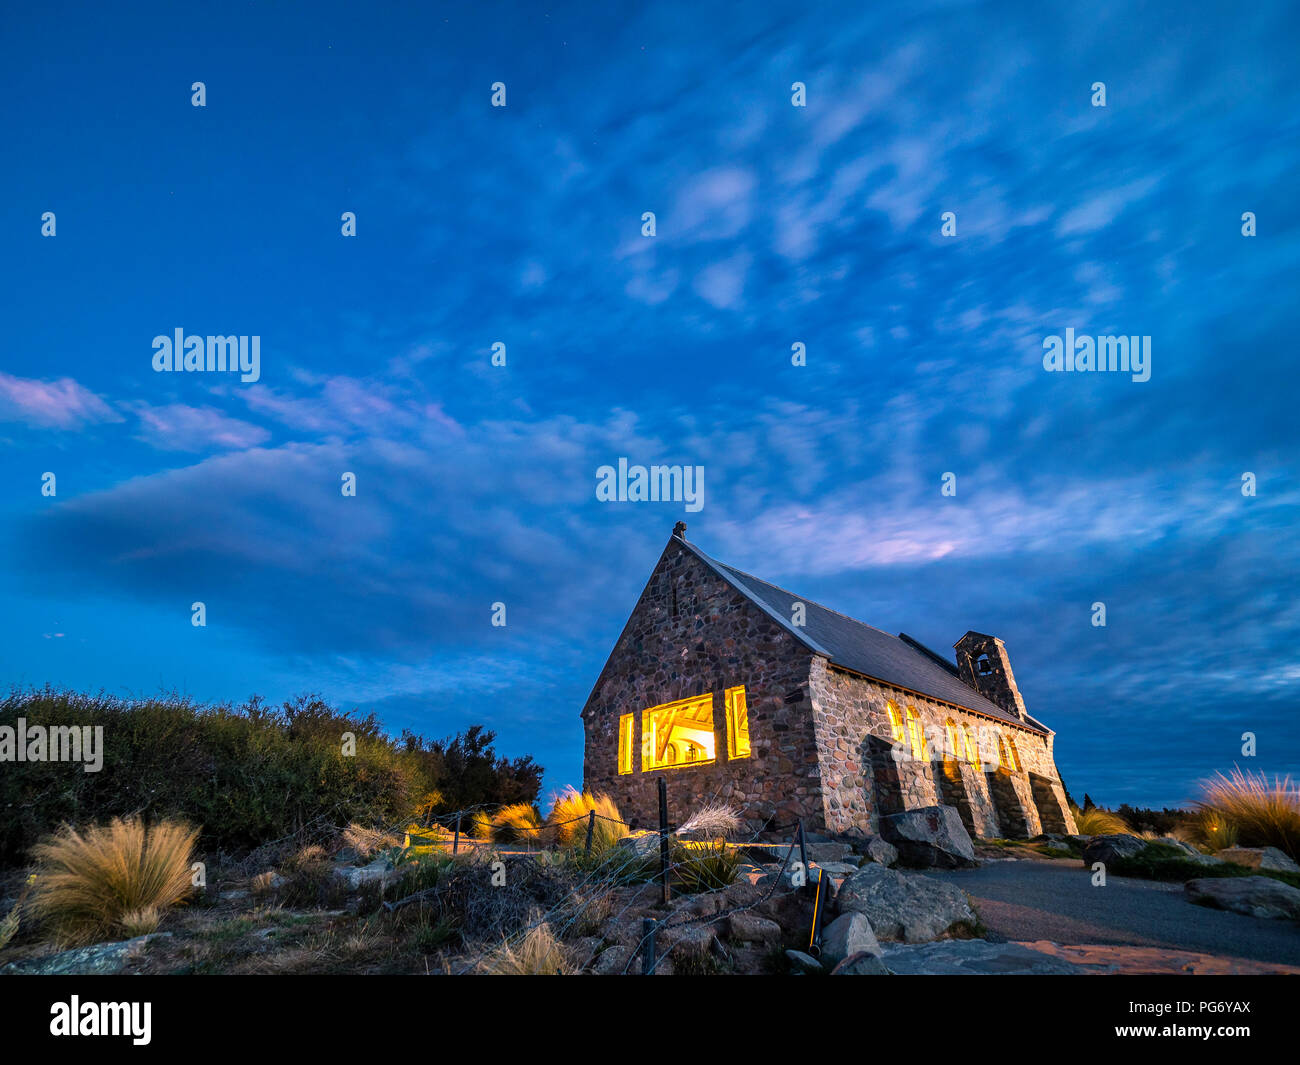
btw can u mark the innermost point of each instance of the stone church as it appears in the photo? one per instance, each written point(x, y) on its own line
point(741, 692)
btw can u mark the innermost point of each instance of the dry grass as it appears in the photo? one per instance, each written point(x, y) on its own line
point(570, 813)
point(519, 823)
point(1264, 813)
point(106, 881)
point(1098, 822)
point(713, 820)
point(1212, 831)
point(9, 923)
point(366, 841)
point(539, 953)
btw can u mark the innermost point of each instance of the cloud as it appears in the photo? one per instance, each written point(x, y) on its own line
point(177, 427)
point(61, 404)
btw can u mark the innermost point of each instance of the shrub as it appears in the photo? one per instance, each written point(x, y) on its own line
point(1098, 822)
point(248, 775)
point(518, 823)
point(1211, 830)
point(366, 841)
point(701, 867)
point(569, 817)
point(310, 879)
point(1264, 813)
point(106, 881)
point(539, 953)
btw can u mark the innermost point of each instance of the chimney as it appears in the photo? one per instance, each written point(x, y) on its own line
point(982, 663)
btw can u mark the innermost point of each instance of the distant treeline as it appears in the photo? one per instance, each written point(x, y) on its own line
point(247, 774)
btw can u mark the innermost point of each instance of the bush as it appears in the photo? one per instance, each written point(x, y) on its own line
point(701, 867)
point(1098, 822)
point(519, 823)
point(248, 775)
point(111, 880)
point(569, 816)
point(1264, 813)
point(539, 953)
point(1212, 831)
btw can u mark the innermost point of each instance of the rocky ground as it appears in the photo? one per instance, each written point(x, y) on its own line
point(985, 908)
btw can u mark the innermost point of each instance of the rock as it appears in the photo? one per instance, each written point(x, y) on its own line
point(863, 964)
point(643, 844)
point(745, 927)
point(1106, 849)
point(582, 951)
point(686, 939)
point(233, 895)
point(1255, 896)
point(822, 853)
point(742, 893)
point(379, 871)
point(837, 868)
point(96, 960)
point(973, 957)
point(912, 908)
point(847, 935)
point(1259, 858)
point(1186, 848)
point(881, 851)
point(709, 903)
point(930, 836)
point(610, 962)
point(803, 964)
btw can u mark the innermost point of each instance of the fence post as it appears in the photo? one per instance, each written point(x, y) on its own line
point(803, 851)
point(647, 946)
point(455, 840)
point(663, 839)
point(821, 899)
point(591, 829)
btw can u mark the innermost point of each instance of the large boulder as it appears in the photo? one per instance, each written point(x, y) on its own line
point(849, 934)
point(1106, 849)
point(930, 836)
point(974, 957)
point(747, 927)
point(1259, 858)
point(1255, 896)
point(863, 964)
point(915, 909)
point(880, 850)
point(100, 959)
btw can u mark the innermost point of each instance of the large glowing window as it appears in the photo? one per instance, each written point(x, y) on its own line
point(972, 748)
point(625, 725)
point(895, 723)
point(1008, 754)
point(737, 723)
point(953, 750)
point(678, 734)
point(917, 733)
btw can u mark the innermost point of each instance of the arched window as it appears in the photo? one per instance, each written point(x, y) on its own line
point(1013, 756)
point(953, 751)
point(917, 733)
point(895, 723)
point(972, 748)
point(1006, 754)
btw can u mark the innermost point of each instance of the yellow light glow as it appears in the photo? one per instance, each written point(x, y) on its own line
point(972, 748)
point(737, 723)
point(954, 742)
point(625, 725)
point(917, 732)
point(895, 723)
point(678, 734)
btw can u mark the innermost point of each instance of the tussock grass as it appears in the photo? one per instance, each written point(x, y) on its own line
point(539, 953)
point(569, 814)
point(519, 823)
point(1098, 822)
point(1211, 830)
point(111, 880)
point(703, 866)
point(366, 841)
point(1265, 813)
point(713, 820)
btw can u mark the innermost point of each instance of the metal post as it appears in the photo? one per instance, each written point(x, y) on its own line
point(455, 840)
point(803, 855)
point(821, 899)
point(663, 839)
point(647, 946)
point(591, 829)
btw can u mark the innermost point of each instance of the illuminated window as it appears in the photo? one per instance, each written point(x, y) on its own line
point(917, 733)
point(1013, 755)
point(625, 724)
point(1007, 755)
point(895, 723)
point(737, 723)
point(953, 750)
point(972, 748)
point(677, 734)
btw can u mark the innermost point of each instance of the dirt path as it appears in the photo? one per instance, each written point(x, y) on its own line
point(1029, 901)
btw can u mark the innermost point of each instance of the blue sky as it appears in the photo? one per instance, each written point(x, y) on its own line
point(775, 225)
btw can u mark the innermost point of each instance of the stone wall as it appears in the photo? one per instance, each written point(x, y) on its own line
point(690, 633)
point(866, 774)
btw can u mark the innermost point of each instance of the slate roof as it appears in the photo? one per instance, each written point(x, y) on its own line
point(859, 647)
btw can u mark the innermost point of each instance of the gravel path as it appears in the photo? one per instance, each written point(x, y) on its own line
point(1055, 900)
